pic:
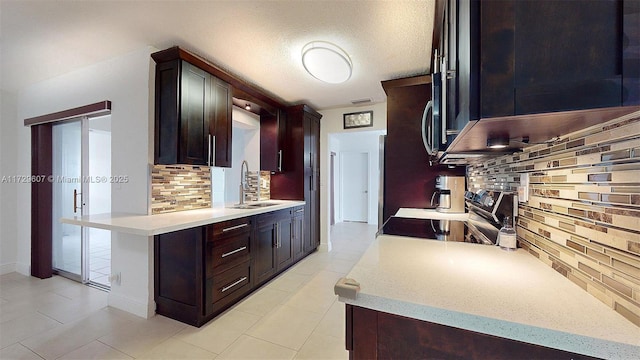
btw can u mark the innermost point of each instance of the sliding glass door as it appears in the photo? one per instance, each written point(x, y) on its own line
point(81, 186)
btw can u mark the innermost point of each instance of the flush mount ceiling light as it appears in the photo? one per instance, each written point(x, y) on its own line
point(247, 107)
point(497, 142)
point(326, 62)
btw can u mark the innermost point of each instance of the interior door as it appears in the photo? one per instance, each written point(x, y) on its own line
point(82, 180)
point(355, 186)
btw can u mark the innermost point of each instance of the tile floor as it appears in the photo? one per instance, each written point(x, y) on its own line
point(295, 316)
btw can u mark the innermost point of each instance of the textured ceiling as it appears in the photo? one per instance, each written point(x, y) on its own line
point(259, 41)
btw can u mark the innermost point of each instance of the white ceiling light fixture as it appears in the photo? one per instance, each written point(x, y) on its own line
point(326, 62)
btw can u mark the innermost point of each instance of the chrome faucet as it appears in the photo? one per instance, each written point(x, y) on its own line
point(243, 180)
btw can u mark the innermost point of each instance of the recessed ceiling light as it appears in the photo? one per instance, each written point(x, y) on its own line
point(247, 107)
point(326, 62)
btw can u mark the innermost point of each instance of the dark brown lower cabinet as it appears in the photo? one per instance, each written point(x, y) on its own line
point(273, 244)
point(372, 334)
point(201, 271)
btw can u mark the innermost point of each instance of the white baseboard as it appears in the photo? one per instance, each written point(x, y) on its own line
point(324, 247)
point(132, 306)
point(7, 268)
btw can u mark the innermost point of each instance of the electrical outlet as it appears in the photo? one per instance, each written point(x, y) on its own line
point(115, 279)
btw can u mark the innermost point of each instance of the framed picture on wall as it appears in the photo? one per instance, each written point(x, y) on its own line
point(358, 119)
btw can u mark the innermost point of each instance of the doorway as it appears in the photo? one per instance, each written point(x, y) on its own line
point(81, 170)
point(355, 186)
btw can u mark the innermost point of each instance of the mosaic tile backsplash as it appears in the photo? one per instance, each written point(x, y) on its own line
point(583, 213)
point(179, 187)
point(259, 183)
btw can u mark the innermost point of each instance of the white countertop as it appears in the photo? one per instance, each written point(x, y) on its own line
point(485, 289)
point(430, 214)
point(149, 225)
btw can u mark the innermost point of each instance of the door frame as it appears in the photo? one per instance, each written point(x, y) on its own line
point(42, 191)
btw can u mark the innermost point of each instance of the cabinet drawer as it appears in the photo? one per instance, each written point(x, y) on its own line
point(230, 228)
point(225, 252)
point(231, 283)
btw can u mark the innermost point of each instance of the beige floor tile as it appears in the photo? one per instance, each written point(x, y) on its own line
point(63, 339)
point(313, 299)
point(18, 352)
point(333, 322)
point(74, 309)
point(95, 350)
point(221, 332)
point(289, 281)
point(263, 301)
point(286, 326)
point(324, 279)
point(137, 337)
point(23, 327)
point(340, 266)
point(15, 308)
point(247, 347)
point(176, 349)
point(322, 347)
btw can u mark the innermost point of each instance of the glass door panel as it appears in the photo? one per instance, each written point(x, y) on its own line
point(67, 170)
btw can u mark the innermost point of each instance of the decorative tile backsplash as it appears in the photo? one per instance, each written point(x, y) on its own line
point(583, 214)
point(259, 185)
point(179, 187)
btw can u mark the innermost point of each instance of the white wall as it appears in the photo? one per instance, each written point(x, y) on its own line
point(127, 81)
point(8, 190)
point(246, 146)
point(332, 123)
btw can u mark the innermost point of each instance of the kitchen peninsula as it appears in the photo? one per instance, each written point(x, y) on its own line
point(200, 262)
point(485, 302)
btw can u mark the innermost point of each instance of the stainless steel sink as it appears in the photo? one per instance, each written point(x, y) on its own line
point(252, 205)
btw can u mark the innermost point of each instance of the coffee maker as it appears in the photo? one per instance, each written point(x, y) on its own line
point(450, 193)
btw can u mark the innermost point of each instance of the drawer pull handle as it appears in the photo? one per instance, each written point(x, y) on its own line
point(234, 227)
point(234, 251)
point(299, 211)
point(234, 284)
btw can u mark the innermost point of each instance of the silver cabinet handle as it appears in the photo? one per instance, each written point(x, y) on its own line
point(209, 151)
point(277, 236)
point(234, 227)
point(234, 284)
point(280, 160)
point(299, 211)
point(213, 150)
point(443, 100)
point(233, 252)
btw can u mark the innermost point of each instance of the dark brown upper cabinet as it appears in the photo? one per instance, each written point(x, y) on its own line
point(273, 135)
point(192, 115)
point(526, 57)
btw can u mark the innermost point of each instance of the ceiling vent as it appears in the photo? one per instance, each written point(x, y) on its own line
point(361, 101)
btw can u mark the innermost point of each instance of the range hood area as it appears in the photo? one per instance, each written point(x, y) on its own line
point(470, 146)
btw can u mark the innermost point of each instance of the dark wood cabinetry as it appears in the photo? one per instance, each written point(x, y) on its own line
point(409, 178)
point(297, 236)
point(377, 335)
point(201, 271)
point(273, 244)
point(192, 114)
point(526, 57)
point(273, 141)
point(300, 179)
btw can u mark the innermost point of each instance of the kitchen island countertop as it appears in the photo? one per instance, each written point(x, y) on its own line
point(485, 289)
point(150, 225)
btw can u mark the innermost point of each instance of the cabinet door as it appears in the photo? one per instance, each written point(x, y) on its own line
point(195, 113)
point(312, 183)
point(297, 237)
point(264, 261)
point(284, 244)
point(221, 126)
point(557, 67)
point(167, 112)
point(272, 141)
